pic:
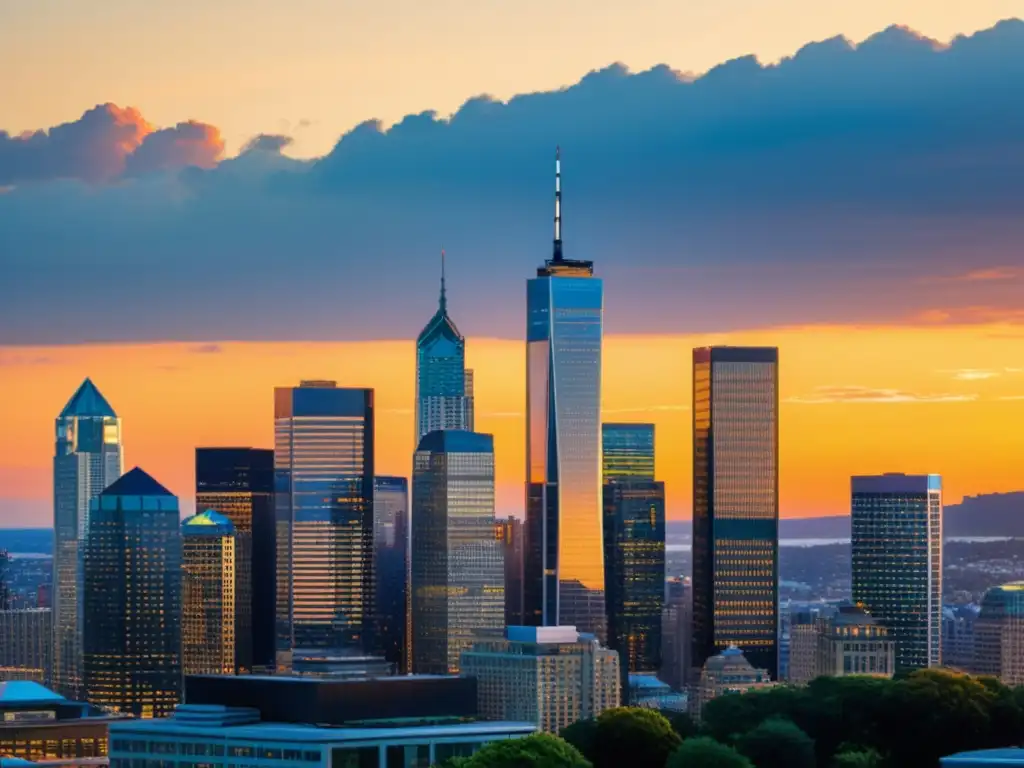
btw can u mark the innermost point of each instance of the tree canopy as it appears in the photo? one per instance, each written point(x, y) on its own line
point(539, 750)
point(633, 736)
point(778, 743)
point(705, 752)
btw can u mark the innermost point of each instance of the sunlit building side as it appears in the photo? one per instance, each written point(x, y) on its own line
point(208, 603)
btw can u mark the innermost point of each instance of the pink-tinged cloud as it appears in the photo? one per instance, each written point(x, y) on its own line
point(190, 143)
point(989, 274)
point(856, 394)
point(970, 315)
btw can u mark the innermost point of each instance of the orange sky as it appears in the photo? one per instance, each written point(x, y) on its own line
point(855, 400)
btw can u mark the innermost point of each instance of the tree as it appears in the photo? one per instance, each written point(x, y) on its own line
point(681, 723)
point(852, 757)
point(705, 752)
point(540, 750)
point(581, 735)
point(633, 736)
point(778, 743)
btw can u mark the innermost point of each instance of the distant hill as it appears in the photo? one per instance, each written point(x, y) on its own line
point(990, 514)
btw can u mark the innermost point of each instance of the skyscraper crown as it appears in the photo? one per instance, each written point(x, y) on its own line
point(87, 401)
point(136, 483)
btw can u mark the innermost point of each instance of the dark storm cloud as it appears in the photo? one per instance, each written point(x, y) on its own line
point(268, 142)
point(825, 188)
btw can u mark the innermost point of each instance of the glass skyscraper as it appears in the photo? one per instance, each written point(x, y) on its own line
point(444, 387)
point(87, 459)
point(736, 503)
point(323, 482)
point(458, 575)
point(239, 484)
point(391, 566)
point(896, 537)
point(208, 595)
point(131, 596)
point(564, 556)
point(509, 533)
point(634, 546)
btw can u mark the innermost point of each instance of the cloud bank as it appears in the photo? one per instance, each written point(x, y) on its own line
point(879, 182)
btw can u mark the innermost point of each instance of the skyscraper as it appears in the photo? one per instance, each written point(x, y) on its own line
point(131, 595)
point(391, 566)
point(999, 646)
point(208, 595)
point(677, 631)
point(5, 592)
point(239, 484)
point(323, 479)
point(509, 533)
point(444, 387)
point(634, 546)
point(897, 561)
point(87, 458)
point(458, 575)
point(564, 556)
point(736, 504)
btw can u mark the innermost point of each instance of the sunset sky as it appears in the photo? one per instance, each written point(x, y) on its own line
point(194, 209)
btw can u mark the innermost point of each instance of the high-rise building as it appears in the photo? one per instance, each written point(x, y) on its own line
point(564, 555)
point(131, 595)
point(897, 561)
point(634, 546)
point(239, 484)
point(87, 458)
point(208, 603)
point(444, 387)
point(676, 633)
point(26, 638)
point(323, 476)
point(509, 533)
point(5, 592)
point(736, 504)
point(958, 636)
point(999, 634)
point(549, 676)
point(391, 566)
point(458, 576)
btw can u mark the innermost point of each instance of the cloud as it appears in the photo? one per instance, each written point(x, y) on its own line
point(268, 142)
point(979, 374)
point(815, 190)
point(979, 275)
point(856, 394)
point(1011, 398)
point(206, 349)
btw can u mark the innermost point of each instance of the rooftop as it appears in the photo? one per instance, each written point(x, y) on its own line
point(136, 483)
point(208, 523)
point(456, 441)
point(87, 401)
point(15, 692)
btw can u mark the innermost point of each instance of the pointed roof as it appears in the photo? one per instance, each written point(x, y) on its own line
point(136, 483)
point(208, 523)
point(87, 401)
point(440, 324)
point(26, 692)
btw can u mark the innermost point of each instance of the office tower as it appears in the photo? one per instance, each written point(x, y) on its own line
point(239, 484)
point(444, 387)
point(634, 546)
point(676, 632)
point(509, 533)
point(131, 595)
point(26, 637)
point(736, 503)
point(726, 673)
point(87, 459)
point(564, 556)
point(5, 592)
point(391, 566)
point(549, 676)
point(999, 633)
point(208, 602)
point(897, 561)
point(958, 636)
point(801, 666)
point(323, 476)
point(458, 576)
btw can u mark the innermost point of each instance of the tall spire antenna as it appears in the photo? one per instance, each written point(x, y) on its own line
point(444, 298)
point(558, 205)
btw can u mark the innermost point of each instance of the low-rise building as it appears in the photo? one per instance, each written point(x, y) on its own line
point(256, 721)
point(849, 643)
point(728, 672)
point(999, 634)
point(548, 676)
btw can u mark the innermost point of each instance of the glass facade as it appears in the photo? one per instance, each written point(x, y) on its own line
point(208, 595)
point(736, 503)
point(444, 387)
point(896, 538)
point(627, 451)
point(509, 533)
point(999, 646)
point(458, 572)
point(391, 565)
point(564, 556)
point(239, 484)
point(323, 477)
point(132, 595)
point(87, 459)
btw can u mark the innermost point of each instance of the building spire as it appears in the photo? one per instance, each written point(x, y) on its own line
point(444, 299)
point(558, 205)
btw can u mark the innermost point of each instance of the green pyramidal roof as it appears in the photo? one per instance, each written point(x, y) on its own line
point(88, 401)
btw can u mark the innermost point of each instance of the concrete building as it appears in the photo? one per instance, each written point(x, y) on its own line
point(728, 672)
point(676, 633)
point(849, 643)
point(999, 634)
point(26, 638)
point(283, 722)
point(208, 606)
point(802, 666)
point(549, 676)
point(958, 624)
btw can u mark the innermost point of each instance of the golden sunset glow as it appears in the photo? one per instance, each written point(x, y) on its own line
point(855, 400)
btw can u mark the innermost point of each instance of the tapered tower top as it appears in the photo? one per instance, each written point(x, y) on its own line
point(558, 265)
point(87, 401)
